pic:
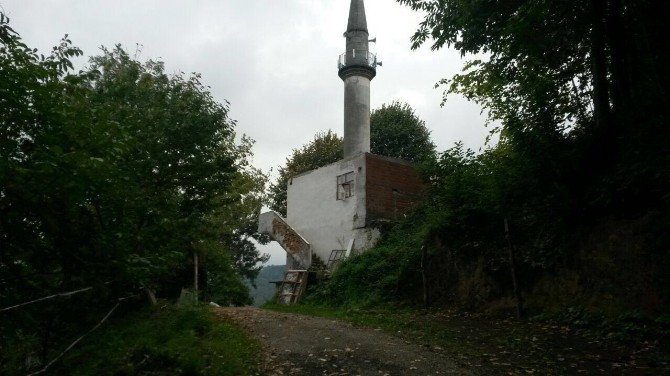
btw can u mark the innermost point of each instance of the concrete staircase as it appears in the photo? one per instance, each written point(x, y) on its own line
point(294, 244)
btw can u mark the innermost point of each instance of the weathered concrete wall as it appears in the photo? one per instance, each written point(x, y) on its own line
point(326, 222)
point(356, 115)
point(383, 189)
point(393, 187)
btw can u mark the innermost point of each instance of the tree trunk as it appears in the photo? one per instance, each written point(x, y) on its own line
point(512, 266)
point(195, 274)
point(601, 102)
point(202, 260)
point(615, 25)
point(424, 278)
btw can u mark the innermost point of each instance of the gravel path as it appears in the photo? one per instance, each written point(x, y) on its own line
point(304, 345)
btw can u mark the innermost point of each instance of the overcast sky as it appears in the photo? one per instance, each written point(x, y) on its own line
point(274, 60)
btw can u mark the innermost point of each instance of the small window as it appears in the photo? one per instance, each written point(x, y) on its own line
point(345, 185)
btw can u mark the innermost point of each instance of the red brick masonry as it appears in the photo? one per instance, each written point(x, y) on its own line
point(392, 187)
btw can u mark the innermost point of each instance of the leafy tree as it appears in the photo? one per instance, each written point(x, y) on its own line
point(239, 220)
point(34, 166)
point(583, 78)
point(200, 186)
point(396, 131)
point(113, 177)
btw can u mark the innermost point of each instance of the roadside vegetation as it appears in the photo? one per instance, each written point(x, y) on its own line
point(114, 180)
point(165, 340)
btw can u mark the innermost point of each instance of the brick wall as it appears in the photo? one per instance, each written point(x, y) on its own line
point(392, 187)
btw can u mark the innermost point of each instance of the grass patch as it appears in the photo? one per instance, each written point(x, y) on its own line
point(165, 341)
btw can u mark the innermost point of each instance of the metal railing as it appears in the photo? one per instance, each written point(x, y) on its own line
point(360, 58)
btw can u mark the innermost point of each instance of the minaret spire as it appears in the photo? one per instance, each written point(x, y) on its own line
point(357, 21)
point(357, 67)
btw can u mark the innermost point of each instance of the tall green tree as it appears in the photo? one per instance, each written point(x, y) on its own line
point(582, 77)
point(579, 90)
point(184, 174)
point(396, 131)
point(113, 177)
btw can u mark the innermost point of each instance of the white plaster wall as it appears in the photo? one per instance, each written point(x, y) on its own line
point(325, 222)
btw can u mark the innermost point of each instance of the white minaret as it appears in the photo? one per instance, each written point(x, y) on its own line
point(357, 67)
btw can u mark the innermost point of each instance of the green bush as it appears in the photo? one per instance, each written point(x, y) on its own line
point(164, 341)
point(386, 273)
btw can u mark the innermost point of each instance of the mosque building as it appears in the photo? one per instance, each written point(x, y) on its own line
point(336, 210)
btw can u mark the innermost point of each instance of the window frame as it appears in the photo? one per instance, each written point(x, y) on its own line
point(345, 186)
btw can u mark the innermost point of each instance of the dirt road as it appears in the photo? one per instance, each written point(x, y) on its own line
point(304, 345)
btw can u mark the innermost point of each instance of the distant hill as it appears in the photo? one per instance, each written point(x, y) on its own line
point(265, 290)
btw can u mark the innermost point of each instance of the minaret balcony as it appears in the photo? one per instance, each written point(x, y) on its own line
point(357, 59)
